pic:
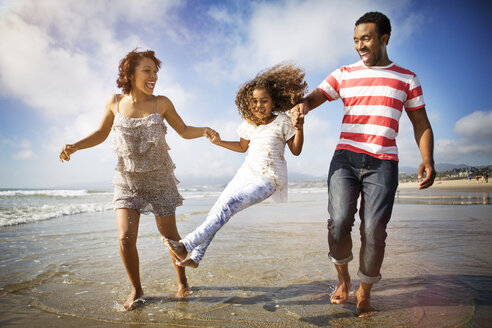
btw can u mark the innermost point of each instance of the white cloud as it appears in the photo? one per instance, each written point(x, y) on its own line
point(463, 151)
point(62, 54)
point(222, 15)
point(476, 126)
point(23, 155)
point(315, 34)
point(19, 149)
point(473, 145)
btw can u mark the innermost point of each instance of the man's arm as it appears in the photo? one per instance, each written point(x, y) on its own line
point(311, 101)
point(425, 141)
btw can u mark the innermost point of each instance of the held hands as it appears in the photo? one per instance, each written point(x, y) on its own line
point(297, 117)
point(213, 136)
point(430, 174)
point(301, 107)
point(66, 151)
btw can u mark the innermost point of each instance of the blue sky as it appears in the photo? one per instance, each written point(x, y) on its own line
point(59, 60)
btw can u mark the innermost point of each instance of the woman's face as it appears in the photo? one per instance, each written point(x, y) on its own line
point(145, 76)
point(262, 104)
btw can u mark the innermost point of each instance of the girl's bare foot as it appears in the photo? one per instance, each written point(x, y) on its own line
point(364, 307)
point(341, 294)
point(188, 263)
point(134, 300)
point(177, 248)
point(183, 290)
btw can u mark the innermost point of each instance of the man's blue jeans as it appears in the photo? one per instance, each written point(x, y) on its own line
point(353, 174)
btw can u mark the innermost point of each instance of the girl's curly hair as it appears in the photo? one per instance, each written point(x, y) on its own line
point(285, 84)
point(127, 67)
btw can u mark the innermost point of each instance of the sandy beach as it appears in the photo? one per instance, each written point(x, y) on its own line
point(462, 185)
point(268, 267)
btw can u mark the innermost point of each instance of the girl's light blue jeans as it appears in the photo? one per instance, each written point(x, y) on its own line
point(239, 194)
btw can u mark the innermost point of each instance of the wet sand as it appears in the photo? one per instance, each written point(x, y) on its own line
point(267, 267)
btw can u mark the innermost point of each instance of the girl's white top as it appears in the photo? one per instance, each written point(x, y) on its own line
point(265, 157)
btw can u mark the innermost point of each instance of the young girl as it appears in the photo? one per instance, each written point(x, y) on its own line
point(144, 178)
point(262, 102)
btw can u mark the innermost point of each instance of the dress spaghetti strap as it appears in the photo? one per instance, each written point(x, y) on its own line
point(117, 103)
point(156, 104)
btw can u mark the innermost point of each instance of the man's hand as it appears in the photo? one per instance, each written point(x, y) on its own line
point(430, 174)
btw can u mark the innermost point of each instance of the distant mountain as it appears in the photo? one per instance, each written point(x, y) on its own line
point(221, 181)
point(441, 167)
point(296, 177)
point(408, 170)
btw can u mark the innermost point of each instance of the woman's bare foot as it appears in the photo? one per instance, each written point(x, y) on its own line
point(177, 248)
point(364, 307)
point(183, 290)
point(134, 300)
point(341, 294)
point(188, 263)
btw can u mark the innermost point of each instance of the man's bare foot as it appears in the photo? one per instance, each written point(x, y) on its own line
point(177, 248)
point(364, 307)
point(188, 263)
point(183, 291)
point(341, 294)
point(134, 300)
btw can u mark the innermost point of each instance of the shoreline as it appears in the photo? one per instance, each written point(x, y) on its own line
point(462, 185)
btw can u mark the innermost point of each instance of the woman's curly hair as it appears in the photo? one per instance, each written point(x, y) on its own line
point(127, 68)
point(285, 84)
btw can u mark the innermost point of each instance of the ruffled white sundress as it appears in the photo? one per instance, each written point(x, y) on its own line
point(144, 176)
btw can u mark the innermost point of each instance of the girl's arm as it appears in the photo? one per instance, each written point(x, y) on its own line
point(96, 137)
point(172, 117)
point(295, 143)
point(240, 146)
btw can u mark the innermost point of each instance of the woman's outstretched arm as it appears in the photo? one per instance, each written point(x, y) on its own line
point(172, 117)
point(96, 137)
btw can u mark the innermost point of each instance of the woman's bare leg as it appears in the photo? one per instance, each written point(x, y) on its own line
point(127, 221)
point(168, 229)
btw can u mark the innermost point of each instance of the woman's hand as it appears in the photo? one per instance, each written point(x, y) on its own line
point(66, 151)
point(213, 136)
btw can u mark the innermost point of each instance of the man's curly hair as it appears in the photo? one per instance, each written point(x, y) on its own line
point(285, 84)
point(383, 25)
point(127, 68)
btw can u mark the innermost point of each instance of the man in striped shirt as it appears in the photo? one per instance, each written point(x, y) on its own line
point(374, 92)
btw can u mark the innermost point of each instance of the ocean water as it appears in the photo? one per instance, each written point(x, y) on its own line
point(267, 267)
point(18, 206)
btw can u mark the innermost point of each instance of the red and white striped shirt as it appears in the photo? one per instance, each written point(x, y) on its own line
point(374, 98)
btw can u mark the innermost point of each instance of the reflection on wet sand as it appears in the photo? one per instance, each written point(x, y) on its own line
point(444, 198)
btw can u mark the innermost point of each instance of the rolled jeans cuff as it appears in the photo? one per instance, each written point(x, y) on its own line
point(187, 245)
point(367, 279)
point(343, 261)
